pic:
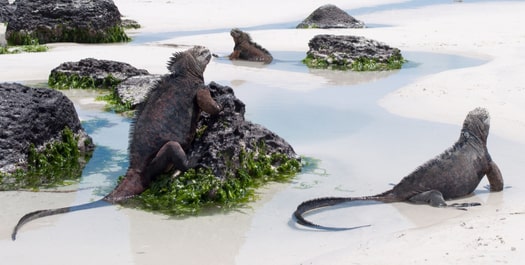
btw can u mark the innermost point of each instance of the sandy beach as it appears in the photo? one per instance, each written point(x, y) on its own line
point(461, 55)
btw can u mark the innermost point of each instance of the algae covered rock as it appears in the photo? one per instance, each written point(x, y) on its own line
point(223, 138)
point(41, 139)
point(92, 73)
point(330, 16)
point(105, 74)
point(351, 53)
point(46, 21)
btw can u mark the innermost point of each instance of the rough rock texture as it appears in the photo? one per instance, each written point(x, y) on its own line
point(48, 21)
point(33, 116)
point(228, 133)
point(330, 16)
point(345, 50)
point(134, 89)
point(6, 11)
point(93, 73)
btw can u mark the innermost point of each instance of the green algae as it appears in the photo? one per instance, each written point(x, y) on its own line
point(59, 80)
point(361, 64)
point(199, 189)
point(31, 45)
point(52, 165)
point(62, 33)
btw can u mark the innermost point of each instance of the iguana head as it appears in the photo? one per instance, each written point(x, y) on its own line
point(239, 36)
point(477, 123)
point(193, 60)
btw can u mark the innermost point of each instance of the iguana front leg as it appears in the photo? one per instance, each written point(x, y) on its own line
point(206, 102)
point(495, 177)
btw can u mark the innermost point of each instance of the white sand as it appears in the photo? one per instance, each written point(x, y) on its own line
point(261, 235)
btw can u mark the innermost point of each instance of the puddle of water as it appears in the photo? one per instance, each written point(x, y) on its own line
point(363, 149)
point(343, 104)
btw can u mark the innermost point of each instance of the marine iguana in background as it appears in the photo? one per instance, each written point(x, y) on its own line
point(246, 49)
point(453, 174)
point(163, 129)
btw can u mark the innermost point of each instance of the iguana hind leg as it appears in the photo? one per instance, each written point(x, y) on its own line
point(435, 198)
point(431, 197)
point(169, 155)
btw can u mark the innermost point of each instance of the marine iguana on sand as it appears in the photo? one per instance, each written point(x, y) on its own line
point(246, 49)
point(453, 174)
point(162, 131)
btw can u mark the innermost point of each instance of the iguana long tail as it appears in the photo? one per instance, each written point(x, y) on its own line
point(43, 213)
point(313, 204)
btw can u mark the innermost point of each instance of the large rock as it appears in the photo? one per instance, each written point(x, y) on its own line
point(223, 138)
point(46, 21)
point(6, 11)
point(92, 73)
point(351, 52)
point(330, 16)
point(34, 116)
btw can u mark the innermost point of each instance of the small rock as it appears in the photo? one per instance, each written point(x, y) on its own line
point(135, 89)
point(330, 16)
point(351, 52)
point(92, 73)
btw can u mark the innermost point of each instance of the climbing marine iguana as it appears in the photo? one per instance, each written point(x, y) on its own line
point(453, 174)
point(162, 131)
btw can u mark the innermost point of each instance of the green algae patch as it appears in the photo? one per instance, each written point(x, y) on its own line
point(115, 104)
point(62, 33)
point(199, 189)
point(31, 45)
point(361, 64)
point(59, 80)
point(52, 165)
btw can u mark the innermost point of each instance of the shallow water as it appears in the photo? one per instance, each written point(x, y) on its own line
point(343, 106)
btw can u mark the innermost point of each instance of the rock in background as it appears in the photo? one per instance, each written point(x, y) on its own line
point(351, 52)
point(38, 117)
point(92, 73)
point(83, 21)
point(330, 16)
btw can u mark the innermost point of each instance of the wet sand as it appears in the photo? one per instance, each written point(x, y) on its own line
point(367, 133)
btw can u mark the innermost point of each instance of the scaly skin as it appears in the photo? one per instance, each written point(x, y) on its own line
point(162, 131)
point(453, 174)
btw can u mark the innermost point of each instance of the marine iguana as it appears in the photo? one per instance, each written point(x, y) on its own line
point(246, 49)
point(453, 174)
point(162, 131)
